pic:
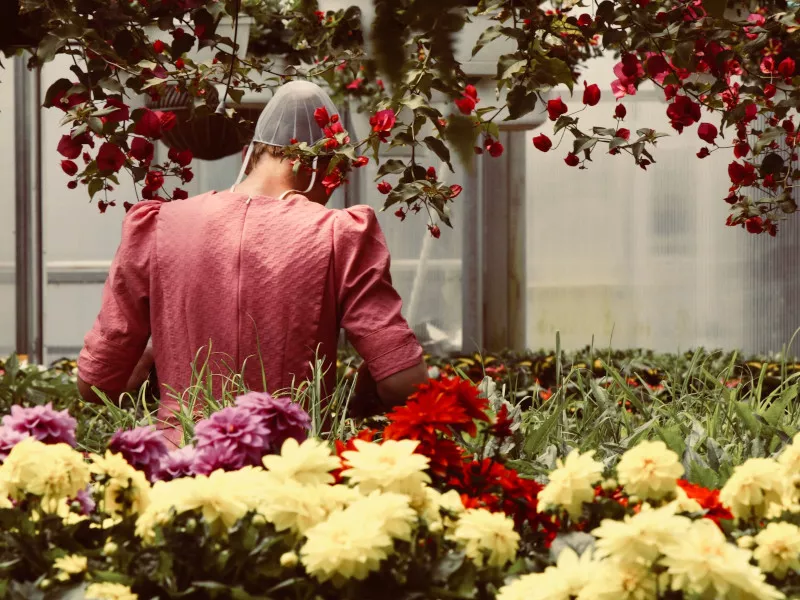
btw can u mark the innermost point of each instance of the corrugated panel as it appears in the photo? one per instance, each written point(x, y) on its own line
point(8, 315)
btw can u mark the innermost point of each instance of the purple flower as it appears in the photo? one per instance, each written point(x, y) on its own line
point(142, 447)
point(232, 430)
point(177, 463)
point(284, 418)
point(84, 498)
point(8, 439)
point(224, 455)
point(43, 423)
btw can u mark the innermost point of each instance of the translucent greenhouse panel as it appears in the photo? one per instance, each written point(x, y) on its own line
point(8, 311)
point(426, 272)
point(622, 257)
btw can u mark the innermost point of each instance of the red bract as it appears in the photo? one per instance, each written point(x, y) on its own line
point(683, 112)
point(435, 231)
point(69, 167)
point(742, 174)
point(741, 149)
point(69, 147)
point(121, 114)
point(355, 84)
point(584, 20)
point(430, 174)
point(148, 125)
point(542, 142)
point(154, 180)
point(769, 90)
point(382, 123)
point(180, 157)
point(629, 71)
point(110, 158)
point(179, 64)
point(786, 67)
point(322, 117)
point(465, 104)
point(384, 187)
point(455, 190)
point(620, 111)
point(591, 94)
point(65, 102)
point(657, 67)
point(158, 46)
point(707, 132)
point(400, 214)
point(556, 108)
point(572, 160)
point(494, 148)
point(623, 133)
point(168, 120)
point(754, 225)
point(360, 161)
point(703, 152)
point(333, 180)
point(180, 194)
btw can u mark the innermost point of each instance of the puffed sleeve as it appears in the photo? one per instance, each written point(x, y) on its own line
point(120, 333)
point(369, 306)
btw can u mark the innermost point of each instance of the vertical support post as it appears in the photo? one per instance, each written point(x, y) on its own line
point(517, 246)
point(472, 260)
point(28, 209)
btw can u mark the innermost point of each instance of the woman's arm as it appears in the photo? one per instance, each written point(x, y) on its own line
point(141, 373)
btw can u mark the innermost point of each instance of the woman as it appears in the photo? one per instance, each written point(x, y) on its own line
point(259, 274)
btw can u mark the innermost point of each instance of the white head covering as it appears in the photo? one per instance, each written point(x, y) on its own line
point(288, 116)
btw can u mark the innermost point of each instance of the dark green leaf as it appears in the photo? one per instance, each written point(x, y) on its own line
point(462, 134)
point(715, 8)
point(391, 166)
point(489, 35)
point(520, 102)
point(767, 137)
point(402, 193)
point(95, 185)
point(583, 143)
point(771, 164)
point(437, 147)
point(49, 46)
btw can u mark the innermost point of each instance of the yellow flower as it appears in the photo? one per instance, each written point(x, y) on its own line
point(343, 547)
point(110, 591)
point(778, 549)
point(289, 559)
point(70, 565)
point(389, 467)
point(309, 463)
point(125, 490)
point(641, 537)
point(571, 484)
point(486, 535)
point(291, 506)
point(684, 504)
point(572, 571)
point(53, 472)
point(535, 586)
point(390, 509)
point(619, 580)
point(701, 562)
point(754, 489)
point(790, 462)
point(649, 470)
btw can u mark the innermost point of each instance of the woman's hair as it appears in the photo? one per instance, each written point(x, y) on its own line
point(259, 150)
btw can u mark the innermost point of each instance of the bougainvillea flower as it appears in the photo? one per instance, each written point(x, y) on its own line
point(542, 142)
point(591, 94)
point(556, 108)
point(683, 112)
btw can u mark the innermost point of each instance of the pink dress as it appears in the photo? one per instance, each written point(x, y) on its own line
point(246, 276)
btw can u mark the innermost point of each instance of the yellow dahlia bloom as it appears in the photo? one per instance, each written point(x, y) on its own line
point(535, 586)
point(391, 466)
point(790, 462)
point(110, 591)
point(756, 488)
point(486, 536)
point(295, 507)
point(309, 463)
point(778, 549)
point(640, 538)
point(684, 504)
point(67, 566)
point(391, 510)
point(53, 472)
point(649, 470)
point(125, 490)
point(571, 484)
point(702, 562)
point(619, 580)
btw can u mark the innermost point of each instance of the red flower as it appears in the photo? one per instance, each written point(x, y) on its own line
point(750, 113)
point(494, 148)
point(788, 125)
point(623, 133)
point(158, 46)
point(435, 231)
point(333, 180)
point(154, 180)
point(572, 160)
point(180, 157)
point(683, 112)
point(703, 152)
point(741, 149)
point(455, 190)
point(186, 175)
point(322, 117)
point(769, 90)
point(400, 214)
point(355, 84)
point(542, 142)
point(591, 94)
point(620, 111)
point(708, 499)
point(425, 414)
point(65, 102)
point(179, 64)
point(110, 158)
point(786, 67)
point(754, 225)
point(69, 167)
point(465, 104)
point(742, 174)
point(382, 123)
point(180, 194)
point(657, 67)
point(168, 120)
point(471, 92)
point(446, 457)
point(556, 108)
point(72, 184)
point(360, 161)
point(430, 174)
point(384, 187)
point(121, 114)
point(707, 132)
point(127, 206)
point(628, 73)
point(70, 147)
point(148, 125)
point(502, 426)
point(584, 20)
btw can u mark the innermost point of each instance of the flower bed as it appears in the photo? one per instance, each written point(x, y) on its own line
point(425, 506)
